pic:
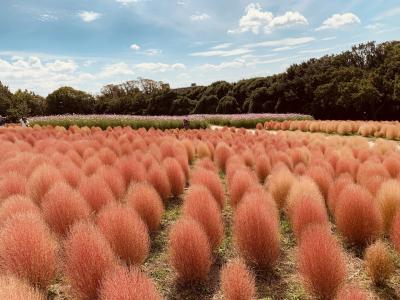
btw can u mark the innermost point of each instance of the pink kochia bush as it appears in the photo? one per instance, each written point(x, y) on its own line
point(88, 256)
point(96, 192)
point(237, 282)
point(41, 180)
point(127, 284)
point(189, 250)
point(352, 293)
point(13, 288)
point(126, 232)
point(256, 232)
point(211, 181)
point(321, 262)
point(357, 216)
point(16, 205)
point(12, 184)
point(175, 174)
point(28, 250)
point(63, 206)
point(158, 178)
point(201, 206)
point(147, 203)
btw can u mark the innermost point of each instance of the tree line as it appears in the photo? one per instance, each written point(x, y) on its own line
point(361, 83)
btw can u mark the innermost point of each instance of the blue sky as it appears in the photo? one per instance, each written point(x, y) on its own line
point(45, 44)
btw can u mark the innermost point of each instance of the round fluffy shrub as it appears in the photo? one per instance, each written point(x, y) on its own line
point(380, 266)
point(237, 282)
point(158, 178)
point(279, 185)
point(28, 250)
point(17, 205)
point(88, 256)
point(352, 293)
point(321, 262)
point(242, 181)
point(212, 182)
point(148, 204)
point(388, 198)
point(221, 155)
point(201, 206)
point(262, 167)
point(127, 284)
point(189, 251)
point(131, 170)
point(114, 180)
point(96, 192)
point(13, 288)
point(357, 216)
point(126, 232)
point(12, 184)
point(41, 180)
point(321, 177)
point(63, 206)
point(175, 174)
point(335, 189)
point(256, 232)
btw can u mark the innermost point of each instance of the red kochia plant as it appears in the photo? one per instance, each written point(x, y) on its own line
point(158, 178)
point(321, 262)
point(237, 282)
point(123, 284)
point(13, 288)
point(114, 180)
point(357, 216)
point(72, 174)
point(242, 181)
point(88, 256)
point(131, 170)
point(28, 250)
point(321, 177)
point(12, 184)
point(189, 250)
point(352, 293)
point(126, 232)
point(175, 175)
point(335, 189)
point(262, 167)
point(279, 186)
point(256, 232)
point(41, 180)
point(148, 204)
point(395, 233)
point(379, 263)
point(211, 181)
point(392, 165)
point(222, 153)
point(62, 206)
point(96, 192)
point(16, 205)
point(201, 206)
point(388, 198)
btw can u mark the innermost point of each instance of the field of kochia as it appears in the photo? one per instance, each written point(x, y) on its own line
point(236, 214)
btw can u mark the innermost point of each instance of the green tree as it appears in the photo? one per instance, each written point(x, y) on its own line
point(228, 105)
point(67, 100)
point(206, 105)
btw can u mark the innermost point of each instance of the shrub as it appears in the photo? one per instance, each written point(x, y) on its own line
point(256, 232)
point(395, 232)
point(392, 165)
point(221, 155)
point(321, 262)
point(262, 167)
point(12, 184)
point(357, 216)
point(72, 174)
point(189, 250)
point(28, 250)
point(158, 178)
point(242, 181)
point(352, 293)
point(13, 288)
point(175, 174)
point(131, 170)
point(124, 284)
point(96, 192)
point(148, 204)
point(335, 189)
point(203, 151)
point(190, 149)
point(279, 185)
point(207, 164)
point(88, 256)
point(17, 205)
point(114, 180)
point(91, 165)
point(321, 177)
point(346, 165)
point(237, 282)
point(380, 266)
point(201, 206)
point(388, 198)
point(41, 180)
point(126, 232)
point(63, 206)
point(211, 181)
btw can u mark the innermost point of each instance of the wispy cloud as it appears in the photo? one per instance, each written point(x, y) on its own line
point(89, 16)
point(135, 47)
point(222, 46)
point(329, 38)
point(283, 42)
point(200, 17)
point(127, 2)
point(315, 50)
point(394, 11)
point(222, 53)
point(159, 67)
point(339, 20)
point(48, 18)
point(152, 52)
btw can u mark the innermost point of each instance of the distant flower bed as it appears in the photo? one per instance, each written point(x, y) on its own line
point(163, 122)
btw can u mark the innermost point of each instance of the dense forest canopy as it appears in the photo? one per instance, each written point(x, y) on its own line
point(362, 83)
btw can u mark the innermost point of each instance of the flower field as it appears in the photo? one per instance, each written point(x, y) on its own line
point(122, 214)
point(163, 122)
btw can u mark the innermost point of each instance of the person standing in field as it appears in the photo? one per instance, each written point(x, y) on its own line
point(2, 121)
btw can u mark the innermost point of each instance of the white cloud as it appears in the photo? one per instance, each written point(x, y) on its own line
point(117, 69)
point(159, 67)
point(89, 16)
point(182, 2)
point(62, 66)
point(256, 19)
point(200, 17)
point(287, 42)
point(135, 47)
point(127, 2)
point(374, 26)
point(48, 18)
point(237, 63)
point(152, 52)
point(339, 20)
point(329, 38)
point(222, 53)
point(316, 50)
point(222, 46)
